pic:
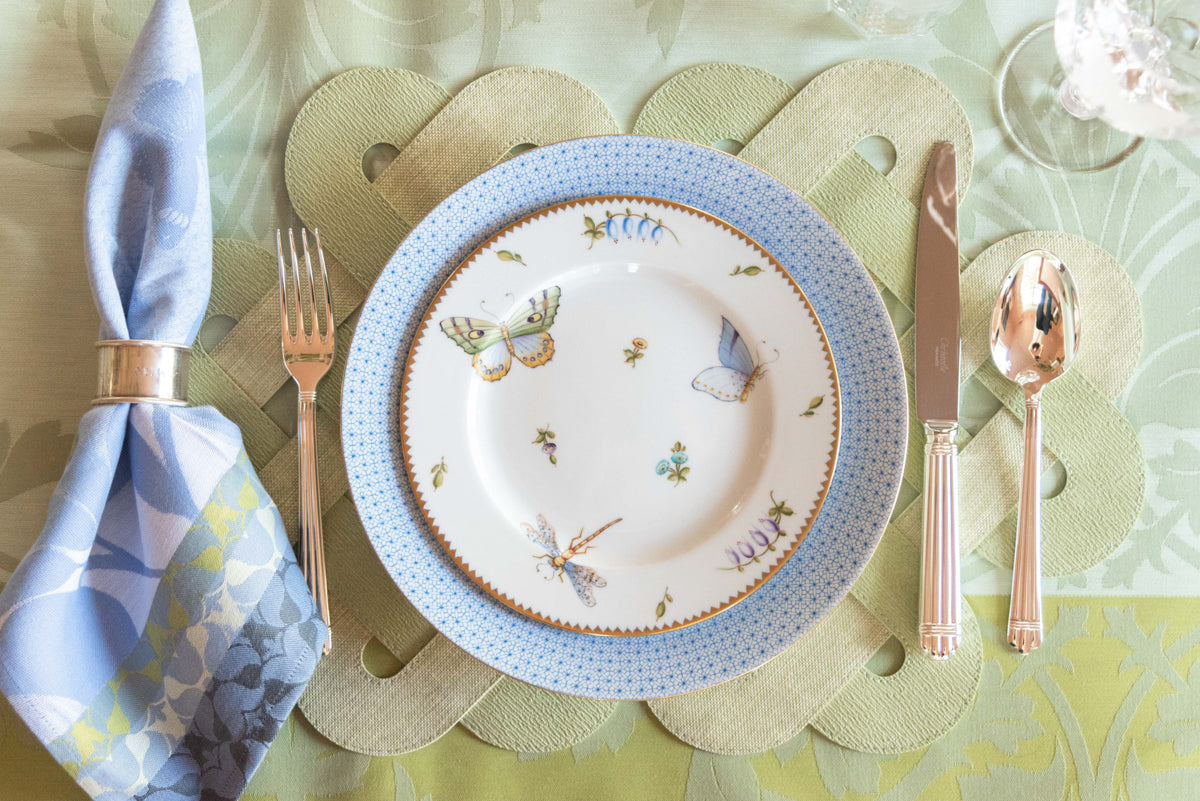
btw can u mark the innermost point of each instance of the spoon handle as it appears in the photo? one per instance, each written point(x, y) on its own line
point(1025, 608)
point(941, 599)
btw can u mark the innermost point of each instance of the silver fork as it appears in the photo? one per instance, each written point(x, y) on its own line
point(308, 355)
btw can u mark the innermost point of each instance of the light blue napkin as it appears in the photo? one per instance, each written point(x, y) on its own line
point(160, 630)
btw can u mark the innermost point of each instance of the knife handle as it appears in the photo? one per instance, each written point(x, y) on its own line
point(941, 604)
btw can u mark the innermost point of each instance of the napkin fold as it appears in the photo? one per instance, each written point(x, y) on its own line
point(160, 630)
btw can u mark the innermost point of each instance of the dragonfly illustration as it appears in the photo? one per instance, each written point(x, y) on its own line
point(583, 579)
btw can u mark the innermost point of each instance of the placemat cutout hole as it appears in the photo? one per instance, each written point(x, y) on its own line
point(377, 158)
point(879, 152)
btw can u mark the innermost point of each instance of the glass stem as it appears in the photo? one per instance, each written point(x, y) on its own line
point(1075, 105)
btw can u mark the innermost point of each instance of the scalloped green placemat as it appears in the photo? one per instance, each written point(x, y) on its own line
point(806, 139)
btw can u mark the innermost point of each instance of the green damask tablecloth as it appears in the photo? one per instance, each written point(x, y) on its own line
point(1112, 712)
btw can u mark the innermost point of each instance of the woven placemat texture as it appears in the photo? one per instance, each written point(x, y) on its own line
point(805, 139)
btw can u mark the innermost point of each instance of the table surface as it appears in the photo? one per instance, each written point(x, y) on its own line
point(1111, 713)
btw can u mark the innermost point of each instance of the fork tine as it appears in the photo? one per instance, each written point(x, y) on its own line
point(296, 278)
point(314, 329)
point(308, 360)
point(283, 315)
point(330, 323)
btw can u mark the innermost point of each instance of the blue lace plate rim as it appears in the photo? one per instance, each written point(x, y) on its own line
point(874, 425)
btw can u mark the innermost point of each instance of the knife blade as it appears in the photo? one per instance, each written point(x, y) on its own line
point(936, 363)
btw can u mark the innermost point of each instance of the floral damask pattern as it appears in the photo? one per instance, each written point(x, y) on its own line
point(29, 460)
point(1108, 712)
point(1031, 736)
point(250, 696)
point(1140, 212)
point(225, 564)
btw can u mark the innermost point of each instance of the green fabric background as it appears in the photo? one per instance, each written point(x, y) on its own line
point(1110, 712)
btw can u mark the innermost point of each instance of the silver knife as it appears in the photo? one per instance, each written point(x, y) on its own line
point(937, 354)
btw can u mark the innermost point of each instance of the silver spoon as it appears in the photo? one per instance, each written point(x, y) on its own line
point(1035, 336)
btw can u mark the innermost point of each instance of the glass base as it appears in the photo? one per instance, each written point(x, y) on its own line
point(1034, 117)
point(884, 18)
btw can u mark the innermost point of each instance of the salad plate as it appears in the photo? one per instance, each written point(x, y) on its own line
point(871, 409)
point(620, 415)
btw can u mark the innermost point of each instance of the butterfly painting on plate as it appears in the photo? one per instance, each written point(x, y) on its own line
point(584, 580)
point(735, 377)
point(523, 334)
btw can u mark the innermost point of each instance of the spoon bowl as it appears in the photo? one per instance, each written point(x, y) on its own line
point(1034, 339)
point(1035, 324)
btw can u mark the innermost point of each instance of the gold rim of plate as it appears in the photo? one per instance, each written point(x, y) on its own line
point(499, 594)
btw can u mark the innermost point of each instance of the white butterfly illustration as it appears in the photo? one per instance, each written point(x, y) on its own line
point(734, 379)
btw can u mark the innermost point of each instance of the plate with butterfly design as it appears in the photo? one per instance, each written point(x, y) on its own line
point(872, 411)
point(620, 415)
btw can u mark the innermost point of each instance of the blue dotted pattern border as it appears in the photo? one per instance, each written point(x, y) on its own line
point(874, 419)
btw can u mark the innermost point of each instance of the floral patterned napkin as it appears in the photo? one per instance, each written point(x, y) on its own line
point(159, 631)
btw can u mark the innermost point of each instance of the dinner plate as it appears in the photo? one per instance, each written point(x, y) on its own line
point(872, 410)
point(591, 479)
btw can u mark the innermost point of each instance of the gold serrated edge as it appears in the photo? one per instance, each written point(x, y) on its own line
point(498, 594)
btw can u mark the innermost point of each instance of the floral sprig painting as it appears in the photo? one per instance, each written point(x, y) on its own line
point(508, 255)
point(660, 611)
point(633, 354)
point(751, 270)
point(439, 472)
point(545, 438)
point(813, 405)
point(673, 466)
point(626, 225)
point(760, 540)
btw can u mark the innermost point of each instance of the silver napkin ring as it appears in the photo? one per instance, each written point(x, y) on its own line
point(142, 371)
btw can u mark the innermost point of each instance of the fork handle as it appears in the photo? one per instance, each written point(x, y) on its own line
point(312, 542)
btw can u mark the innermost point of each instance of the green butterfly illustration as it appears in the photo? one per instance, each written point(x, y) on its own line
point(492, 345)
